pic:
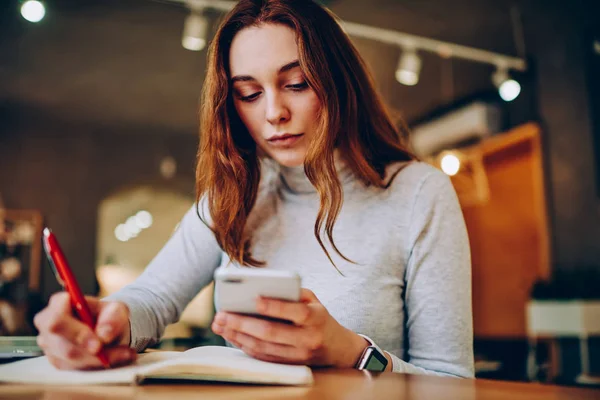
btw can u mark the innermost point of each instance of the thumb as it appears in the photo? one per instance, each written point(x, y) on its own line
point(308, 296)
point(113, 320)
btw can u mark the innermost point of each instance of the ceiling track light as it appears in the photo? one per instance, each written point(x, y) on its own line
point(508, 88)
point(401, 39)
point(195, 31)
point(409, 67)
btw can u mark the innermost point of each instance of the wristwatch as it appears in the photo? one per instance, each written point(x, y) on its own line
point(372, 358)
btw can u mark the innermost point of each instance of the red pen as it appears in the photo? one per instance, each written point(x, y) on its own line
point(66, 279)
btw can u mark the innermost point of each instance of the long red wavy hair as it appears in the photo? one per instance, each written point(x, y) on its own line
point(353, 119)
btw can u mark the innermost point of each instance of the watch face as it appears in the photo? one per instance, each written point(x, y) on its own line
point(374, 364)
point(374, 360)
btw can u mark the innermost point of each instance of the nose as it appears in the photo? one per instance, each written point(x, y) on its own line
point(277, 111)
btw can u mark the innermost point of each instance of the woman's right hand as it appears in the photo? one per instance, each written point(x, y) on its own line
point(70, 344)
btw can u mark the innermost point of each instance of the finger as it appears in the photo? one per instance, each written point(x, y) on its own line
point(275, 332)
point(59, 363)
point(60, 302)
point(120, 355)
point(113, 318)
point(267, 350)
point(69, 356)
point(66, 354)
point(297, 312)
point(53, 321)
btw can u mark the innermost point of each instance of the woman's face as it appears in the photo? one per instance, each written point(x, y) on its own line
point(270, 92)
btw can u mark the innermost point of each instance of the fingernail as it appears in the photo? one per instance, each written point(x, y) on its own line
point(104, 332)
point(217, 328)
point(93, 345)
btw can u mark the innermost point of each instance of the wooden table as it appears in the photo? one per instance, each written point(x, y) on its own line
point(329, 384)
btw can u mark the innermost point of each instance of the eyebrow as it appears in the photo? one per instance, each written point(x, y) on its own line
point(246, 78)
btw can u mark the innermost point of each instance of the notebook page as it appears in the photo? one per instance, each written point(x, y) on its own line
point(231, 363)
point(40, 371)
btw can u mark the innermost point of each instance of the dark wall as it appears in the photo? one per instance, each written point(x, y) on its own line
point(557, 37)
point(593, 72)
point(66, 170)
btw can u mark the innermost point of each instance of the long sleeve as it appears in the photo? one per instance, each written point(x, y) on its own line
point(178, 272)
point(437, 297)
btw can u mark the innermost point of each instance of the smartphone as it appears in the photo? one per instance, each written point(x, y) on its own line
point(237, 289)
point(13, 347)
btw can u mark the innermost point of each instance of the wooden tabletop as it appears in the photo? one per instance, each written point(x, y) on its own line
point(329, 384)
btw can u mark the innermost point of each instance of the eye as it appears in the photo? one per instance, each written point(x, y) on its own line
point(250, 98)
point(298, 87)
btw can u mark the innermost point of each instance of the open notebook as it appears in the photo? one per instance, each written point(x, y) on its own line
point(209, 363)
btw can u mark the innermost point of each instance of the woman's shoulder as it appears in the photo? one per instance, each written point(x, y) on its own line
point(423, 188)
point(410, 178)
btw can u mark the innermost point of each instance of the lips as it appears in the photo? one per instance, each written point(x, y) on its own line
point(276, 138)
point(285, 141)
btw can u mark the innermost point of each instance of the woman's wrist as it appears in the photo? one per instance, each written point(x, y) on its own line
point(355, 346)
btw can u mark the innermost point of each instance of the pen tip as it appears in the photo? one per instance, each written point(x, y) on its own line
point(46, 231)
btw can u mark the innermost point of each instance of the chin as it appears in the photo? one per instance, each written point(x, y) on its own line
point(291, 159)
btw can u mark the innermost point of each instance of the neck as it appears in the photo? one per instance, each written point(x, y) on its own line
point(294, 179)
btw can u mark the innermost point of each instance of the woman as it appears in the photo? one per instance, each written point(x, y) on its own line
point(300, 168)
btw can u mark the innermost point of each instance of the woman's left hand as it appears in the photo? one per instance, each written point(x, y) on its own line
point(315, 338)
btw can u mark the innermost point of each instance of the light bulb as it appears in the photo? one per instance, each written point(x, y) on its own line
point(409, 67)
point(450, 164)
point(33, 11)
point(508, 88)
point(131, 227)
point(121, 233)
point(143, 219)
point(195, 31)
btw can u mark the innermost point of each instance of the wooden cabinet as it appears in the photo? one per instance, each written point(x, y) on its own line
point(502, 193)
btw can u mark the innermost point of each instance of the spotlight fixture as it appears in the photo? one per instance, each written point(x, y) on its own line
point(508, 88)
point(33, 11)
point(195, 31)
point(409, 67)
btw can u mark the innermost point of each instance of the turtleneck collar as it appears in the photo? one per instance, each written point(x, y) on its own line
point(295, 180)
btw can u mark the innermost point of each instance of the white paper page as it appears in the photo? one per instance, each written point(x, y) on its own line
point(226, 358)
point(39, 370)
point(232, 362)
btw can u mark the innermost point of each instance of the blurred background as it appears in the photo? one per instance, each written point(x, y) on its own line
point(99, 128)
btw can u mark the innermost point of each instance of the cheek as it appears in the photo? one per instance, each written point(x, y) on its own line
point(312, 108)
point(306, 108)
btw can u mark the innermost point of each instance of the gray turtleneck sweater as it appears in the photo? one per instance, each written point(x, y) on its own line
point(409, 289)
